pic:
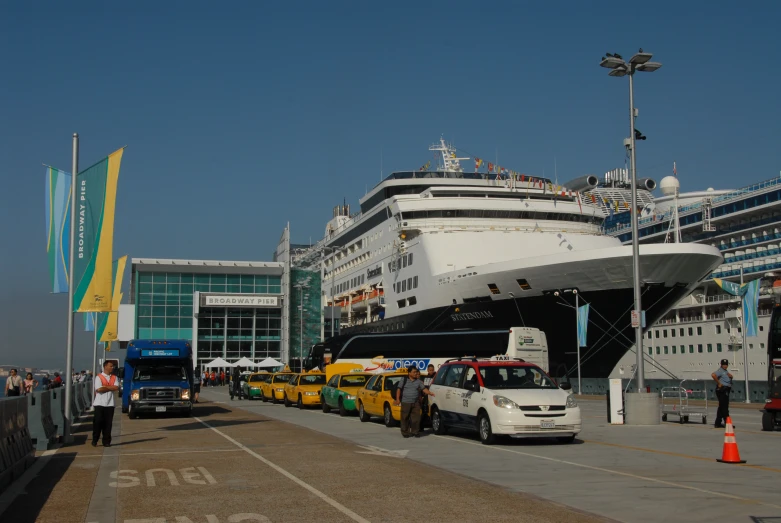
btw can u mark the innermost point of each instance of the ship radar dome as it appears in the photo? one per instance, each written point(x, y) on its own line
point(669, 184)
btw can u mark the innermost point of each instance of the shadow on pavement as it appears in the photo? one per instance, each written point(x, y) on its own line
point(506, 441)
point(214, 423)
point(28, 505)
point(133, 442)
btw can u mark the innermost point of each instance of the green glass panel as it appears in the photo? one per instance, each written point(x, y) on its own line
point(274, 289)
point(234, 289)
point(145, 288)
point(172, 299)
point(172, 323)
point(159, 277)
point(187, 288)
point(144, 310)
point(158, 299)
point(144, 333)
point(144, 277)
point(201, 287)
point(261, 279)
point(247, 289)
point(247, 279)
point(158, 334)
point(172, 312)
point(158, 288)
point(174, 277)
point(158, 310)
point(233, 279)
point(186, 299)
point(261, 289)
point(218, 278)
point(201, 278)
point(220, 287)
point(186, 323)
point(186, 312)
point(275, 280)
point(145, 299)
point(187, 277)
point(144, 323)
point(158, 322)
point(173, 288)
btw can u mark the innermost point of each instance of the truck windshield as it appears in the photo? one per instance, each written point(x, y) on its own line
point(514, 377)
point(159, 373)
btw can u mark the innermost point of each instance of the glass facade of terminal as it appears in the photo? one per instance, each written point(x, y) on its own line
point(164, 310)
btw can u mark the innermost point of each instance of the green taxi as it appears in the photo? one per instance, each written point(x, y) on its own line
point(341, 390)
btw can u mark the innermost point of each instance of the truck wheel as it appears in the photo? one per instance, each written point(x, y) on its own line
point(768, 419)
point(124, 410)
point(326, 407)
point(131, 413)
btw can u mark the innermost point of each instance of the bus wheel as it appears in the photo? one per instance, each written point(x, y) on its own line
point(768, 419)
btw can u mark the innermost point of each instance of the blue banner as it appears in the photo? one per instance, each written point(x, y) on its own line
point(750, 306)
point(89, 321)
point(730, 288)
point(583, 325)
point(58, 192)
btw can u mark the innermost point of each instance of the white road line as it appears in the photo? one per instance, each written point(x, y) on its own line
point(338, 506)
point(616, 472)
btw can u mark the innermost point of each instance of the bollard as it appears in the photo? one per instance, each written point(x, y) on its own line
point(57, 409)
point(43, 432)
point(641, 409)
point(16, 448)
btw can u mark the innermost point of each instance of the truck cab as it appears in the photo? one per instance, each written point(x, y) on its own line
point(158, 377)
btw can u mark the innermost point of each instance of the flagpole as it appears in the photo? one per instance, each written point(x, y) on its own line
point(67, 437)
point(745, 347)
point(95, 346)
point(577, 339)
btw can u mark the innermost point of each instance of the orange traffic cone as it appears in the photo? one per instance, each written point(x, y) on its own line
point(730, 453)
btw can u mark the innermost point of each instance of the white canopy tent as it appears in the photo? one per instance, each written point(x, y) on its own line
point(270, 362)
point(245, 362)
point(219, 362)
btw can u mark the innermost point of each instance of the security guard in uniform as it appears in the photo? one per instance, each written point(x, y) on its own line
point(723, 379)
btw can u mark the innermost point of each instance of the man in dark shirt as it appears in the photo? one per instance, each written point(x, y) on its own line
point(409, 396)
point(723, 380)
point(236, 384)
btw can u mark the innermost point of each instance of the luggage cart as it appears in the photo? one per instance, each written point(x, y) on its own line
point(675, 401)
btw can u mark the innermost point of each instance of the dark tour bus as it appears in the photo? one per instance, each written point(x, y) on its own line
point(402, 349)
point(771, 417)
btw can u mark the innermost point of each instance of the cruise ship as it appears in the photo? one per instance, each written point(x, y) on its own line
point(706, 326)
point(443, 250)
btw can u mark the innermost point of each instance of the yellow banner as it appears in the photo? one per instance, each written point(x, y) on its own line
point(110, 333)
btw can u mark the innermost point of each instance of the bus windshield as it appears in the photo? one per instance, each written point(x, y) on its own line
point(159, 373)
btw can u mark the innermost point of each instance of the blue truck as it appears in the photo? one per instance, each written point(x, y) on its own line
point(158, 377)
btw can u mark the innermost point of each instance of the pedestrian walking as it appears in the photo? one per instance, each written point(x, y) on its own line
point(723, 380)
point(196, 387)
point(29, 383)
point(409, 395)
point(13, 385)
point(103, 404)
point(222, 378)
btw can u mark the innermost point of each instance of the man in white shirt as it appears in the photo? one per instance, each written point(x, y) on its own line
point(105, 386)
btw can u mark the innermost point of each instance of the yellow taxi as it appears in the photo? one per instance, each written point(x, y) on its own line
point(273, 389)
point(375, 398)
point(304, 389)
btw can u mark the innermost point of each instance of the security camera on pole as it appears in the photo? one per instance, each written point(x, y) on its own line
point(641, 61)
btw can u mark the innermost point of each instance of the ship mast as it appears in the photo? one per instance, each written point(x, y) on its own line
point(450, 162)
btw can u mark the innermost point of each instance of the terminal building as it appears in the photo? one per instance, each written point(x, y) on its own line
point(228, 309)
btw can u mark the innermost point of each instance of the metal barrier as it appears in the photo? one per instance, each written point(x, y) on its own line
point(87, 392)
point(58, 409)
point(77, 405)
point(16, 448)
point(43, 431)
point(600, 386)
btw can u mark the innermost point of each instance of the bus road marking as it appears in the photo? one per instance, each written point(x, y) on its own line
point(338, 506)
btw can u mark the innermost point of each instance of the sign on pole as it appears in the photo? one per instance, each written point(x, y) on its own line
point(638, 319)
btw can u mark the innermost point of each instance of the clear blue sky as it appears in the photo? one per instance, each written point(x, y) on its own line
point(242, 116)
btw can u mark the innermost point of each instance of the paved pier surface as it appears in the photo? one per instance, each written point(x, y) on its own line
point(252, 461)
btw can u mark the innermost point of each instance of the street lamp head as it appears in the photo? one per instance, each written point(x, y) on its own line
point(618, 72)
point(649, 67)
point(612, 62)
point(640, 58)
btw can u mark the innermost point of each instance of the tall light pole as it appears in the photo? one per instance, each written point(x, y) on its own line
point(618, 67)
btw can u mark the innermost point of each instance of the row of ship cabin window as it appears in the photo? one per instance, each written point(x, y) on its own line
point(400, 263)
point(404, 285)
point(691, 331)
point(691, 348)
point(358, 280)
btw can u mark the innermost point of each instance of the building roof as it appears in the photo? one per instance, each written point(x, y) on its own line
point(204, 266)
